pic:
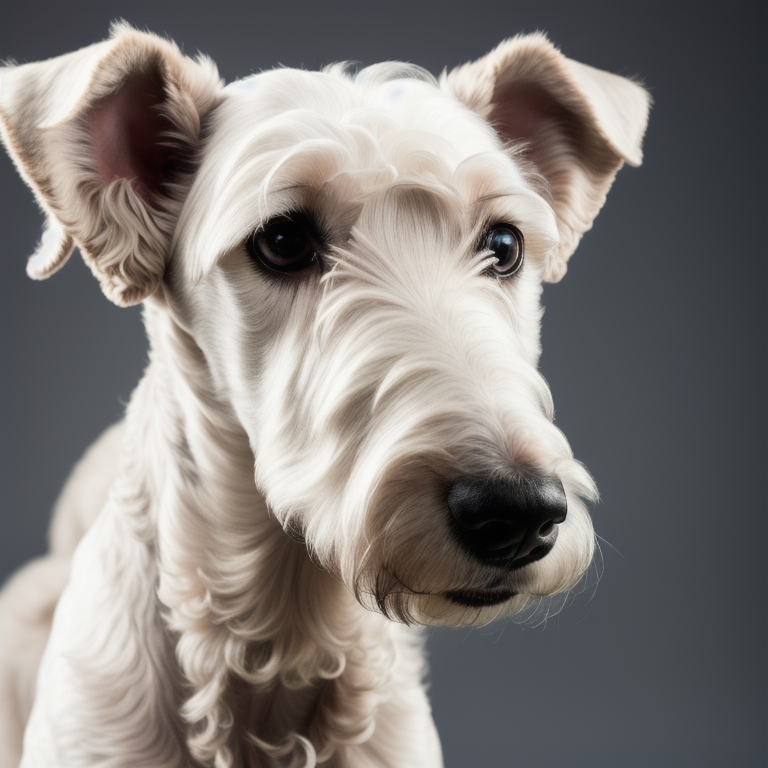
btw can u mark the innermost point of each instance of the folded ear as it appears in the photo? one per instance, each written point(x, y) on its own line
point(106, 137)
point(577, 125)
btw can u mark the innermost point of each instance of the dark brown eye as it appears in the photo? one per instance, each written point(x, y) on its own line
point(283, 244)
point(506, 243)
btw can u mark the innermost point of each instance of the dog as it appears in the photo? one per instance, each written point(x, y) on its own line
point(342, 434)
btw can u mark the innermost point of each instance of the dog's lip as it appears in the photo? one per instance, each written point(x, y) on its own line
point(479, 598)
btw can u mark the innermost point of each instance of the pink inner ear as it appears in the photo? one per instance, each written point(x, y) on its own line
point(558, 136)
point(130, 135)
point(522, 109)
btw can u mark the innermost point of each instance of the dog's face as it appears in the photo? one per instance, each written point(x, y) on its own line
point(376, 277)
point(359, 259)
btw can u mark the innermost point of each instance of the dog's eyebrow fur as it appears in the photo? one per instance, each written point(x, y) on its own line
point(259, 172)
point(265, 168)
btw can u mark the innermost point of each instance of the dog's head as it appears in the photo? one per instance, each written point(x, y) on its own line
point(359, 258)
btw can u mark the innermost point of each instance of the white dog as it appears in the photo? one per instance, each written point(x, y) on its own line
point(342, 430)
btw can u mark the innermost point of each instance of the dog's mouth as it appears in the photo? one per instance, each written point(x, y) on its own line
point(480, 598)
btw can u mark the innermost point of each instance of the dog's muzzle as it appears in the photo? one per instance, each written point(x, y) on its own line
point(507, 522)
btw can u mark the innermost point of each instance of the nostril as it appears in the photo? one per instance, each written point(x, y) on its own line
point(546, 529)
point(512, 521)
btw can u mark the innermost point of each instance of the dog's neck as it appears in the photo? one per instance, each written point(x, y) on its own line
point(261, 631)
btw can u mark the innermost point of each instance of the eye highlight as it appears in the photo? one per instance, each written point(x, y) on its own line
point(506, 243)
point(284, 244)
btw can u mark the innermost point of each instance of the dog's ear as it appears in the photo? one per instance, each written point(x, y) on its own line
point(577, 125)
point(106, 137)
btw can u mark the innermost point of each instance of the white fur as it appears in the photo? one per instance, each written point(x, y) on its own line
point(283, 463)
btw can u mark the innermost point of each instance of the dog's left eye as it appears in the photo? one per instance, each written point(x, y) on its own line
point(506, 243)
point(283, 245)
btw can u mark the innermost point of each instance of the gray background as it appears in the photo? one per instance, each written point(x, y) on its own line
point(654, 344)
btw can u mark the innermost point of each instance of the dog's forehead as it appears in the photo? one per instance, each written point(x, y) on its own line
point(373, 119)
point(383, 99)
point(286, 130)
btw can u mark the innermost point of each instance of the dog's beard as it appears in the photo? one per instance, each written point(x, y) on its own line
point(386, 534)
point(414, 571)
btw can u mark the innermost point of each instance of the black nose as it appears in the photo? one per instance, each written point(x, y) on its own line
point(509, 522)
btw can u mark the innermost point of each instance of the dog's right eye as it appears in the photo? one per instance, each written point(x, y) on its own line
point(283, 244)
point(506, 243)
